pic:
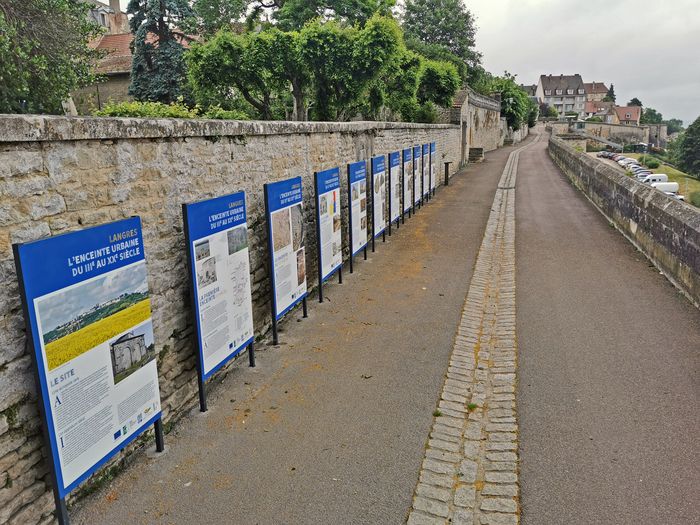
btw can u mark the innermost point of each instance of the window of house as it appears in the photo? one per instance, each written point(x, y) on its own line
point(569, 91)
point(547, 91)
point(559, 92)
point(580, 91)
point(103, 19)
point(627, 115)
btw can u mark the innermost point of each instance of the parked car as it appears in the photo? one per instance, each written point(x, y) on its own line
point(655, 177)
point(675, 196)
point(666, 187)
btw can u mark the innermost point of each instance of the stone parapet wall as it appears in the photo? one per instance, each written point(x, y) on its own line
point(61, 174)
point(666, 230)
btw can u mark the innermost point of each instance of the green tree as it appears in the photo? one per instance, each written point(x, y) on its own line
point(158, 67)
point(253, 69)
point(212, 15)
point(344, 62)
point(610, 95)
point(674, 125)
point(635, 102)
point(294, 14)
point(548, 111)
point(445, 23)
point(651, 116)
point(43, 53)
point(438, 53)
point(514, 101)
point(533, 112)
point(328, 70)
point(689, 149)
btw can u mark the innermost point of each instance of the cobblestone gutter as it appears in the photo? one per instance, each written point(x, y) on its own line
point(470, 471)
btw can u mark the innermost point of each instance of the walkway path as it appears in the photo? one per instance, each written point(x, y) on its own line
point(608, 386)
point(331, 426)
point(470, 472)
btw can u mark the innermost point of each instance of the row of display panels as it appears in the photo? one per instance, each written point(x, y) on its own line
point(86, 300)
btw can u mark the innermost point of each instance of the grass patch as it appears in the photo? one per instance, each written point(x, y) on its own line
point(437, 412)
point(471, 406)
point(76, 343)
point(687, 185)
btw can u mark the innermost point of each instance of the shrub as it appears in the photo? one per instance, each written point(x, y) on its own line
point(147, 109)
point(160, 110)
point(651, 163)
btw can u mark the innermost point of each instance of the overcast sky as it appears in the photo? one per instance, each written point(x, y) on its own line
point(647, 49)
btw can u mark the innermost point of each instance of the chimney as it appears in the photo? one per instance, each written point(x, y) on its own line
point(114, 5)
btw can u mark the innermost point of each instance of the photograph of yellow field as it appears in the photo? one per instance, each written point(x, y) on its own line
point(74, 344)
point(76, 319)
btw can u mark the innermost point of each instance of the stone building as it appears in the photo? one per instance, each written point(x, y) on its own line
point(566, 93)
point(595, 91)
point(628, 115)
point(605, 111)
point(127, 351)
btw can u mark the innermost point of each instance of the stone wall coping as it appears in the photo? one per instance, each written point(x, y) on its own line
point(681, 211)
point(482, 101)
point(38, 128)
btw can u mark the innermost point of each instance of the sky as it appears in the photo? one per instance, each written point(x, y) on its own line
point(57, 309)
point(647, 49)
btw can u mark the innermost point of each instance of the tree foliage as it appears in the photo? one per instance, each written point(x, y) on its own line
point(674, 125)
point(158, 67)
point(651, 116)
point(515, 104)
point(444, 23)
point(212, 15)
point(294, 14)
point(548, 111)
point(689, 149)
point(635, 102)
point(43, 53)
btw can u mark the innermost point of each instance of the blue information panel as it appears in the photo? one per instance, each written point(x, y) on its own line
point(379, 202)
point(217, 245)
point(407, 179)
point(88, 315)
point(394, 186)
point(417, 179)
point(329, 225)
point(357, 188)
point(285, 221)
point(433, 161)
point(425, 169)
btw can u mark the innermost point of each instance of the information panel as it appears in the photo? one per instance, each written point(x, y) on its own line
point(425, 168)
point(407, 179)
point(417, 179)
point(394, 186)
point(88, 315)
point(285, 220)
point(330, 239)
point(379, 201)
point(433, 162)
point(217, 242)
point(357, 182)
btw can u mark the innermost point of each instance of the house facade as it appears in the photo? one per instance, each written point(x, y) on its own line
point(605, 111)
point(565, 93)
point(595, 91)
point(628, 115)
point(127, 351)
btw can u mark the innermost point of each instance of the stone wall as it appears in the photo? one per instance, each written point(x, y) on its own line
point(60, 174)
point(666, 230)
point(484, 127)
point(613, 132)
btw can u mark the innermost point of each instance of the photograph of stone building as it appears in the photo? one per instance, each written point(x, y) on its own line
point(131, 351)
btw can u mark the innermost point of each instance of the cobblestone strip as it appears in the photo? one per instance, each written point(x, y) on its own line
point(469, 474)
